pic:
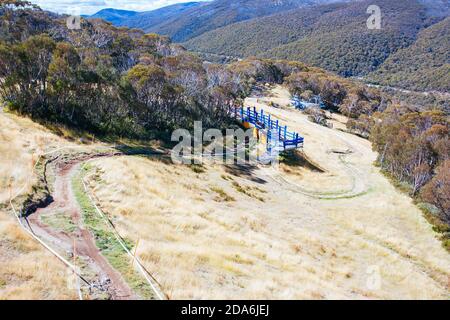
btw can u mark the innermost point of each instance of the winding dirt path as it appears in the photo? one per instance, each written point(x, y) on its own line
point(108, 279)
point(338, 162)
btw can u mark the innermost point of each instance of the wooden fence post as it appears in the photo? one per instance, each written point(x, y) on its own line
point(10, 189)
point(134, 254)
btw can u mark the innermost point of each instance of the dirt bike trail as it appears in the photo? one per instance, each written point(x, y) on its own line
point(80, 240)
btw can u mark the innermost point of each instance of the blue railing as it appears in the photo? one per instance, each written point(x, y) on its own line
point(267, 124)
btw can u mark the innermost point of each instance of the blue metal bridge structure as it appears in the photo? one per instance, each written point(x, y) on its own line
point(277, 135)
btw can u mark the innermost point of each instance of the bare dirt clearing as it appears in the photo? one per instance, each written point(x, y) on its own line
point(217, 232)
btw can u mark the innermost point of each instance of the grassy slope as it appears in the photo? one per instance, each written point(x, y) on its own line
point(230, 242)
point(27, 271)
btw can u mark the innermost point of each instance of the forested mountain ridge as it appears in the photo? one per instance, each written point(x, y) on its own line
point(334, 37)
point(329, 34)
point(117, 81)
point(145, 20)
point(184, 21)
point(425, 65)
point(437, 7)
point(114, 16)
point(103, 79)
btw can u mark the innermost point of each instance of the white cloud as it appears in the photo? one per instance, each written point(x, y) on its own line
point(92, 6)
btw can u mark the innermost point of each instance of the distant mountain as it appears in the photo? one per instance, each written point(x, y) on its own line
point(423, 66)
point(148, 21)
point(256, 36)
point(114, 16)
point(187, 20)
point(331, 34)
point(145, 20)
point(437, 7)
point(334, 37)
point(221, 13)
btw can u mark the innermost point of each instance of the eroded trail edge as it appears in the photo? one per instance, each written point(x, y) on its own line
point(63, 225)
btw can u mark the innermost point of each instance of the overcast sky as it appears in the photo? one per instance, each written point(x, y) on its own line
point(92, 6)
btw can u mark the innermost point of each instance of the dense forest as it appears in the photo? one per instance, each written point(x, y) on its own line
point(183, 22)
point(105, 79)
point(335, 37)
point(414, 147)
point(425, 65)
point(331, 34)
point(115, 81)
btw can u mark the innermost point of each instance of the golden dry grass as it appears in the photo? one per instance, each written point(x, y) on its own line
point(27, 271)
point(287, 247)
point(21, 141)
point(207, 234)
point(291, 246)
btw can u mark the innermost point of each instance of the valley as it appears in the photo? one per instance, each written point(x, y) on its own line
point(324, 33)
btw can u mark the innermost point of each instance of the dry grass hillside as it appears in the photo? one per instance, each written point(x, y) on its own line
point(333, 228)
point(27, 271)
point(221, 233)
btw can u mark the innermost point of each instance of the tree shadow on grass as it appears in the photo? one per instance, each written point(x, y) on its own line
point(245, 171)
